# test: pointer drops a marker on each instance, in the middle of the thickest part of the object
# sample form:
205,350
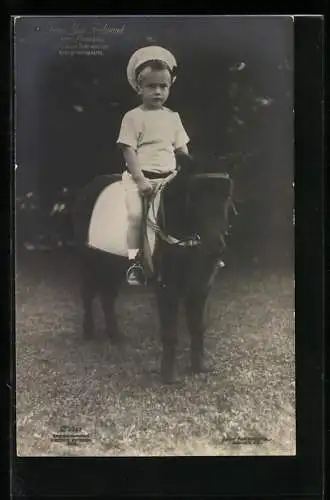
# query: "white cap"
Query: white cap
148,54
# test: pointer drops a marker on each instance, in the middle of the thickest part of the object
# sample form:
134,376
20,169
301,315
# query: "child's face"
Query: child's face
154,87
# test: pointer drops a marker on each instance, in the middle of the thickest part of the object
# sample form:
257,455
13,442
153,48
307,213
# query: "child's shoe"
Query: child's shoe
135,275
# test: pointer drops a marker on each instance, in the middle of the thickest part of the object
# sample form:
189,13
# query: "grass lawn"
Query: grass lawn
116,397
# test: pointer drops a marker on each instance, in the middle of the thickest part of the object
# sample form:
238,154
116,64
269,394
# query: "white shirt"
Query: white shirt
155,134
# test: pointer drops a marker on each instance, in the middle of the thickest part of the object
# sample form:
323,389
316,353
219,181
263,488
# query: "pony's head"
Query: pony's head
199,202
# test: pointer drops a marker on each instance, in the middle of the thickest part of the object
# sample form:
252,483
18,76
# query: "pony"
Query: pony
184,239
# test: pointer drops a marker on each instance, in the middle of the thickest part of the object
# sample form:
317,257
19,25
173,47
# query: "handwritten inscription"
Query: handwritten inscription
77,29
79,40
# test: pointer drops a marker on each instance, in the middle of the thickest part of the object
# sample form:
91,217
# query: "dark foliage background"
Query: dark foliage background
234,92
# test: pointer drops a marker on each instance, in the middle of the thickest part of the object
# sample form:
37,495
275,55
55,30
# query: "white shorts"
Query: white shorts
132,196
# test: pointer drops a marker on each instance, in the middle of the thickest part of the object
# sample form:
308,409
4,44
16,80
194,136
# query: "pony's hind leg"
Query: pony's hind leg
87,293
108,291
113,331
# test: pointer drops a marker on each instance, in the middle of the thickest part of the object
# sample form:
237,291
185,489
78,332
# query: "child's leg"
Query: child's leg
134,207
135,210
135,213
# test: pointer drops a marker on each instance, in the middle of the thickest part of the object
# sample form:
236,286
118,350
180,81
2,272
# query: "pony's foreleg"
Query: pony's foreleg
196,311
196,305
168,306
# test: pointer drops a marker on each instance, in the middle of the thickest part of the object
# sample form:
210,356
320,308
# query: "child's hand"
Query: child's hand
145,187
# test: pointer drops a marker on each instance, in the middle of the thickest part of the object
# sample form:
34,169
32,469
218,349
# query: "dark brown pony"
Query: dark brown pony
191,232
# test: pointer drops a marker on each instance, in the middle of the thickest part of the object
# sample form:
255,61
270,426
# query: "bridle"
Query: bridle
194,240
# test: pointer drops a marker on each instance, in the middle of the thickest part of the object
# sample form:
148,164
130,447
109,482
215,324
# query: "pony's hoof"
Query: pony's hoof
168,377
151,371
87,329
195,370
88,335
118,340
169,381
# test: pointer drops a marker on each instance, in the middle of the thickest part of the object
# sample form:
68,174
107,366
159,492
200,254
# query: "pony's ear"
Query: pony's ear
187,163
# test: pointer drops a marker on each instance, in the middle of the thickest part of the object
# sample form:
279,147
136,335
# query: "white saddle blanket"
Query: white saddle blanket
109,224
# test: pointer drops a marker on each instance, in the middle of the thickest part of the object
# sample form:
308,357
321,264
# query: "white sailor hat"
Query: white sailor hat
145,54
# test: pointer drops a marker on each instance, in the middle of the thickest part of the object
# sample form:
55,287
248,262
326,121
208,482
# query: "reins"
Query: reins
195,239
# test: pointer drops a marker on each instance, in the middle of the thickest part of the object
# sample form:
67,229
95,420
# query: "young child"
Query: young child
149,137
